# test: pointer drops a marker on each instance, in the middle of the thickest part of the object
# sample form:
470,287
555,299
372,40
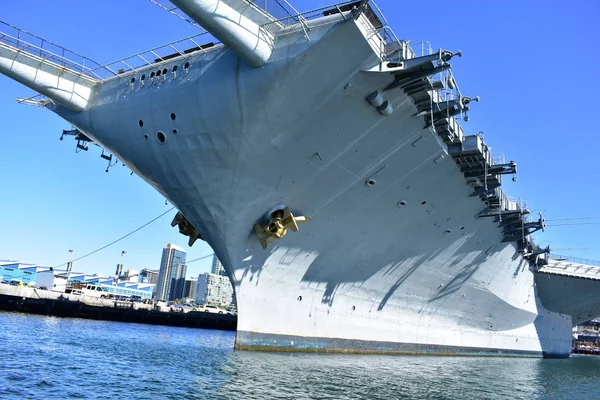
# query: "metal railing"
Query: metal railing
287,15
170,8
574,260
498,158
38,100
36,46
46,50
279,9
158,54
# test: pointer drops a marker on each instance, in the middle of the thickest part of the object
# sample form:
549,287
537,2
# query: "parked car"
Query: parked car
215,309
135,298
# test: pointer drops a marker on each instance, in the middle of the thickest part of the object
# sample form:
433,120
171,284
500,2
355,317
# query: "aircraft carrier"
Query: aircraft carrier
322,159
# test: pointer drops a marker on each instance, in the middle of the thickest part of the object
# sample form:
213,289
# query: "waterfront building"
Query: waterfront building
214,289
27,274
148,276
217,266
111,285
31,275
130,275
173,257
189,289
35,275
178,282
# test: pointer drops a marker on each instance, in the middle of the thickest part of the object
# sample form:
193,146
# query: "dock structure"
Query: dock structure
45,302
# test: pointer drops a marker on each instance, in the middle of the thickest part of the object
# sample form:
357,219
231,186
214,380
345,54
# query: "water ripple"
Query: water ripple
54,358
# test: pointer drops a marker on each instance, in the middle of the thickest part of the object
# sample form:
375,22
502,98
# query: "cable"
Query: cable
119,239
569,218
575,223
198,259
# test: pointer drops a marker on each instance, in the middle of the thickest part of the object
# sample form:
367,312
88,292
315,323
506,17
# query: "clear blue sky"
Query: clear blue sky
535,65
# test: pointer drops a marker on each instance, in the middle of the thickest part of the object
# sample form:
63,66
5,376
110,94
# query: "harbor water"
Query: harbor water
48,357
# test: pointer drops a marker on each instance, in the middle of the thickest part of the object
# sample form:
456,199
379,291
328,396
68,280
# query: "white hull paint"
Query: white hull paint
365,274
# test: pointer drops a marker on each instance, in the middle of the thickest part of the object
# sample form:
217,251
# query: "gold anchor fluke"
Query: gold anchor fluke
276,224
186,228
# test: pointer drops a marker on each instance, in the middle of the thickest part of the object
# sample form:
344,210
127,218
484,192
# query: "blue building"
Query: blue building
36,275
112,286
27,274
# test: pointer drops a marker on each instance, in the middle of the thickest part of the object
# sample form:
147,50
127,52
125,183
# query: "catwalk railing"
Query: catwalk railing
36,46
53,53
573,260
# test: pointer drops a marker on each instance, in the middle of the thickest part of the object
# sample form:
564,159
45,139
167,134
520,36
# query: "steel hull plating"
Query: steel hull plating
400,265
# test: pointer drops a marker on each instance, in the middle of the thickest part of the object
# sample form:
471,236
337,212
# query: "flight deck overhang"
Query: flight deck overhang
241,34
59,83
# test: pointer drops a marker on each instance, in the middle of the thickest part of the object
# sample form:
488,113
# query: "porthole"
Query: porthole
186,65
175,68
173,116
143,77
423,203
161,137
448,231
146,136
353,308
462,229
141,123
132,80
299,298
175,131
402,203
164,71
158,73
151,75
371,182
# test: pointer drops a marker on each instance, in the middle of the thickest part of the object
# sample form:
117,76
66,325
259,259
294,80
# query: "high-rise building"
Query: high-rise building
217,266
214,289
148,276
178,282
172,271
189,290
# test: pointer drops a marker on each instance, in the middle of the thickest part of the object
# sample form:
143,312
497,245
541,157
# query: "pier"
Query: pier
44,302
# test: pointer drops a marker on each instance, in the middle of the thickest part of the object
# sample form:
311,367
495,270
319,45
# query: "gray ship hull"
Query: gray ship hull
393,259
